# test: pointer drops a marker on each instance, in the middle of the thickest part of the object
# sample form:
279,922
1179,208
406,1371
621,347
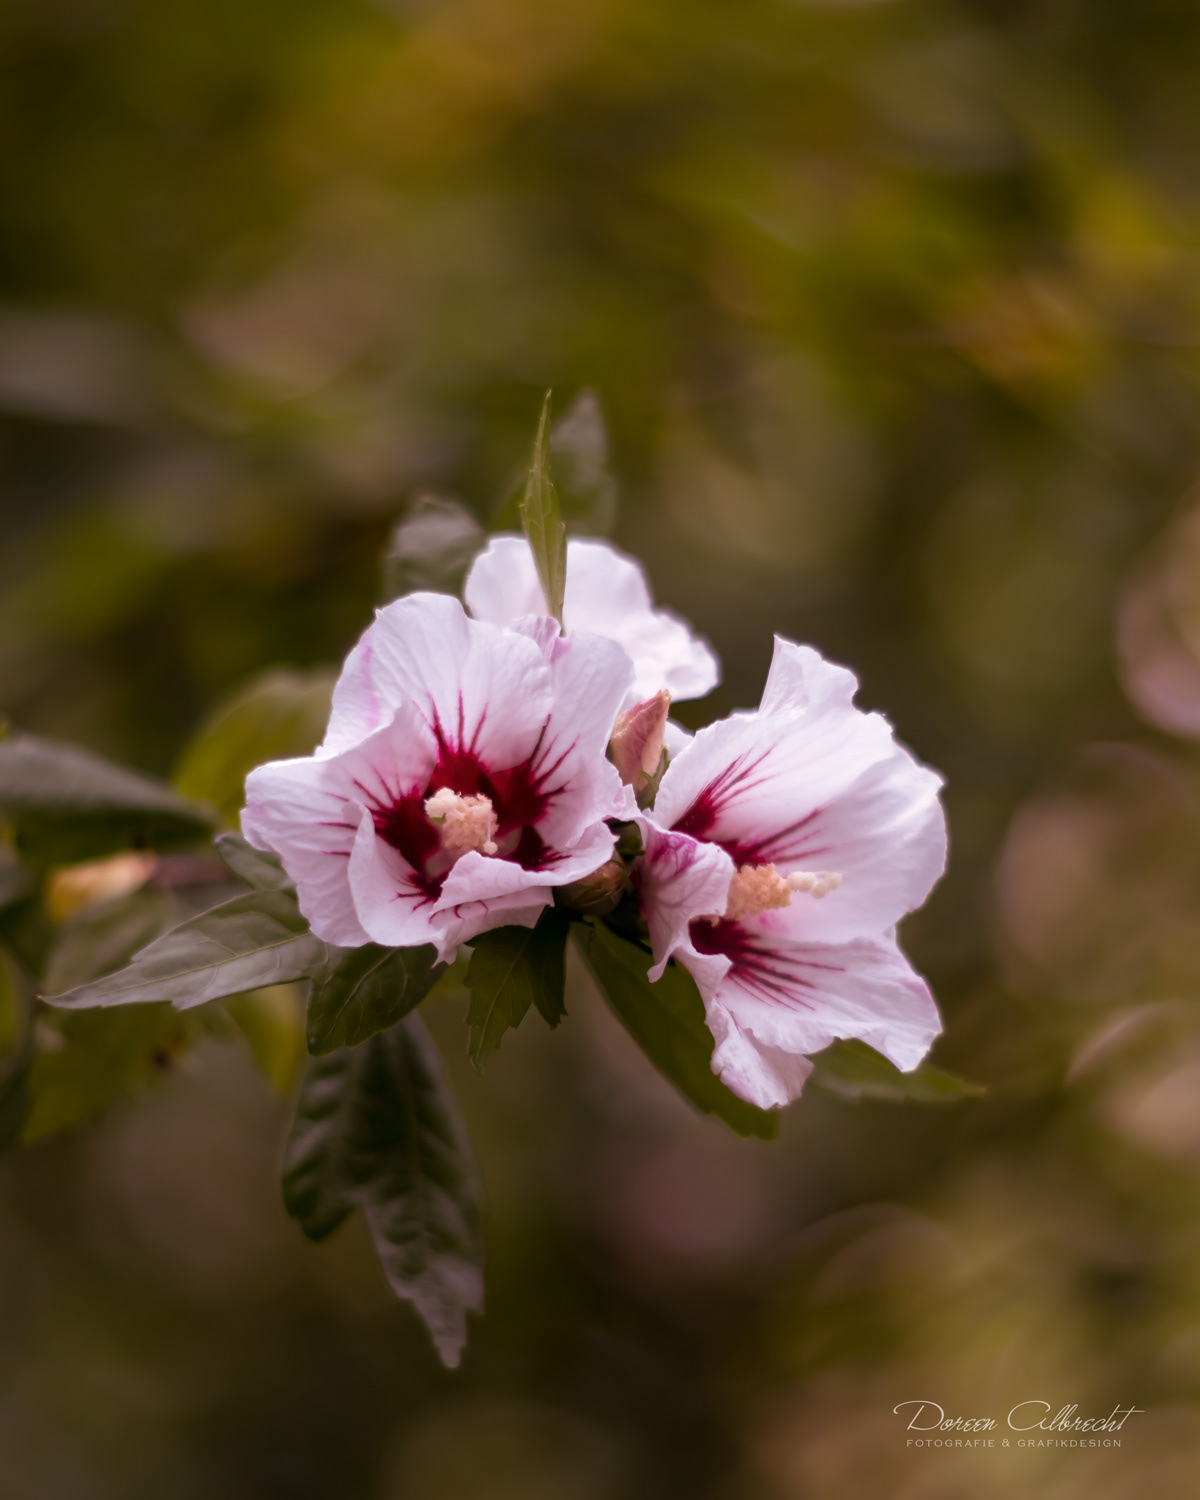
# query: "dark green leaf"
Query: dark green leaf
666,1019
579,448
430,547
276,716
377,1129
852,1070
512,968
357,992
542,520
67,805
261,870
252,941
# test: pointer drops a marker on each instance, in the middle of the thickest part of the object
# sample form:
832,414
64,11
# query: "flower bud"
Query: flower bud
598,893
636,747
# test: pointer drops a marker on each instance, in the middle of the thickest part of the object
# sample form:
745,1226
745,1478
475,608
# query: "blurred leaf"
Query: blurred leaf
666,1019
248,943
12,1010
357,992
83,1062
512,968
542,520
586,489
376,1128
91,1058
272,1021
256,867
17,880
66,805
431,547
275,717
104,936
852,1070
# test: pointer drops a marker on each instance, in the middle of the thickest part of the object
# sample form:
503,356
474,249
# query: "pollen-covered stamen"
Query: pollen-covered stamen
463,823
759,888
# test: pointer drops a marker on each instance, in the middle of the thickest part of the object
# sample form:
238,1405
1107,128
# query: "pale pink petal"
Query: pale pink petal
796,998
800,678
296,810
762,1075
886,838
680,881
606,594
590,680
471,682
751,780
316,814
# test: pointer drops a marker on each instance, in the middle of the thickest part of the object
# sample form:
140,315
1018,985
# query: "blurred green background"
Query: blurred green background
894,313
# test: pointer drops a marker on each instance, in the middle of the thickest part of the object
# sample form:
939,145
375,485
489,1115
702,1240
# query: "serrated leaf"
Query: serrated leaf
356,992
377,1129
430,547
66,805
276,716
666,1019
542,520
245,944
852,1070
587,491
511,969
256,867
272,1022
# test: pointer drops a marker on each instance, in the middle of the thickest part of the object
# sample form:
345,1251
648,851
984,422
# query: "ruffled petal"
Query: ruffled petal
295,809
681,880
606,594
471,682
793,999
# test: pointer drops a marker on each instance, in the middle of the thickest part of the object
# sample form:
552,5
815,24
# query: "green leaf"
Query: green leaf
512,968
666,1019
272,1021
66,805
90,1058
357,992
852,1070
431,547
586,488
255,940
377,1129
279,715
256,867
542,520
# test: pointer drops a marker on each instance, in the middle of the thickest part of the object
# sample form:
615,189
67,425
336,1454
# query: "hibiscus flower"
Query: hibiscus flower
462,778
606,594
783,847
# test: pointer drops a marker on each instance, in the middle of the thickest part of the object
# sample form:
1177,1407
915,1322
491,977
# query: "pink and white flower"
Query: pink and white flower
783,848
462,778
606,594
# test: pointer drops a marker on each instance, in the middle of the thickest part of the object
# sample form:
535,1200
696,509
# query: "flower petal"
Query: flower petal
681,880
607,595
476,683
783,1000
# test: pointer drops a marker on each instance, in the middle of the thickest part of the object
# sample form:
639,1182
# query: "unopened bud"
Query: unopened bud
636,747
598,893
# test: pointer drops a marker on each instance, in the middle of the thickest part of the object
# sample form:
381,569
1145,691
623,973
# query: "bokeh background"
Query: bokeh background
893,310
